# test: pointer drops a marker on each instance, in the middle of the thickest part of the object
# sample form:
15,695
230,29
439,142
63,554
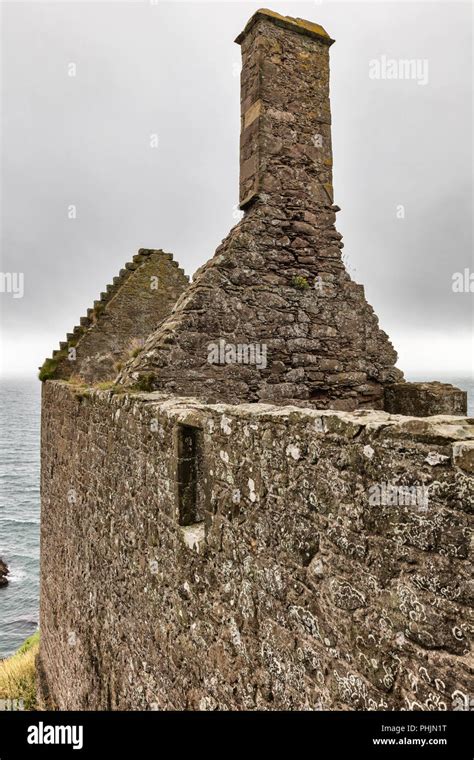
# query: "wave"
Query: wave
16,575
10,554
18,521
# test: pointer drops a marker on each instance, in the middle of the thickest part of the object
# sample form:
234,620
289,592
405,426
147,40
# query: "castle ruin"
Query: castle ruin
244,504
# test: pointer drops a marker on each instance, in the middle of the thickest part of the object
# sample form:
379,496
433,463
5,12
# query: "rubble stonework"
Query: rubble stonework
138,299
3,573
203,550
424,399
314,578
278,279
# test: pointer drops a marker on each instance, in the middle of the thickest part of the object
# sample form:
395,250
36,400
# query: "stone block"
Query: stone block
425,399
463,455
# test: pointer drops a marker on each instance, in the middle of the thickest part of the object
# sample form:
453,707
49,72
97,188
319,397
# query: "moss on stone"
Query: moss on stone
145,382
287,22
107,385
49,367
300,282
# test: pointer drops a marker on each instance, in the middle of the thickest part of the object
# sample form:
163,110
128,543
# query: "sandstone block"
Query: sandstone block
425,399
463,455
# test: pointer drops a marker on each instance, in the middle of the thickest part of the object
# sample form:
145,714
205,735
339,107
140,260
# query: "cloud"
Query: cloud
169,69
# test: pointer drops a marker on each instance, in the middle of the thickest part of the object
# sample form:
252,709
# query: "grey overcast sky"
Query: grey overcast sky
172,69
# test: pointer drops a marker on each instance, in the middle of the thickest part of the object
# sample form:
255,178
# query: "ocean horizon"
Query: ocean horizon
20,502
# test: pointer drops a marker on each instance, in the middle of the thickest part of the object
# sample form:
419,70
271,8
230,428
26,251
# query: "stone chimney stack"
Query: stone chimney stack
274,316
285,144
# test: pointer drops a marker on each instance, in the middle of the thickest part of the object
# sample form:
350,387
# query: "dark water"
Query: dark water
20,503
19,510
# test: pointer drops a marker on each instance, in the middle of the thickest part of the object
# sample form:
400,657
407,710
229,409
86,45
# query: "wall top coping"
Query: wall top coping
299,25
192,411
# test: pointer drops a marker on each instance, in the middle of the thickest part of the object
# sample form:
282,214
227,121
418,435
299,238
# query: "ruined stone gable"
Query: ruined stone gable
140,297
274,316
249,556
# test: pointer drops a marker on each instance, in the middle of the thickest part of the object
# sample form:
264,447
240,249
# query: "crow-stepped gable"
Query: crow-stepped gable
254,556
277,284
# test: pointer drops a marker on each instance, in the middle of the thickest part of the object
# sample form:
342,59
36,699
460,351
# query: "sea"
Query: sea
20,504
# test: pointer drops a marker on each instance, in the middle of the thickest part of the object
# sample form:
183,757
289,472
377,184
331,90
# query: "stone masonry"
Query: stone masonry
425,399
204,550
277,284
3,573
329,567
141,296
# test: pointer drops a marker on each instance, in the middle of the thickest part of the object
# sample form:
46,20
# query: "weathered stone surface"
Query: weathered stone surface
114,330
201,555
463,456
277,281
425,399
330,566
3,573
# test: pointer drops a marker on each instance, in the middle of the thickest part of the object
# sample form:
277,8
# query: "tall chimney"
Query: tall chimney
277,287
285,143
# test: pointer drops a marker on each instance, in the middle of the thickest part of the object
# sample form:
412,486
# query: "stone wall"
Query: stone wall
276,288
425,399
3,573
285,143
139,298
253,556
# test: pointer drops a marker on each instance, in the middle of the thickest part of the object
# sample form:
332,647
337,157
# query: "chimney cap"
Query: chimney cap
298,25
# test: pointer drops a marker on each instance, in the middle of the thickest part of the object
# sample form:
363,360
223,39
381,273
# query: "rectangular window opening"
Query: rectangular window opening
188,472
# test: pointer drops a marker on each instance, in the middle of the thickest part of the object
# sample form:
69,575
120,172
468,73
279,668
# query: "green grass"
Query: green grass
106,385
31,642
145,382
18,674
